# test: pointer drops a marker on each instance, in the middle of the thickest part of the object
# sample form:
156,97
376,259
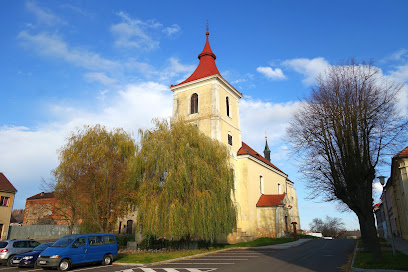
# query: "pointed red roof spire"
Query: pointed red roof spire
206,67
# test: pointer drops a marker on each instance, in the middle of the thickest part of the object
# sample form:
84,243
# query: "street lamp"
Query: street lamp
382,181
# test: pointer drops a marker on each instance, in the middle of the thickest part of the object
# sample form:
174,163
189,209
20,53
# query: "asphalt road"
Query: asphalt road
316,255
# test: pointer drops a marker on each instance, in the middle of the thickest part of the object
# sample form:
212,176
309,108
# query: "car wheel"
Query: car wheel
9,260
36,265
107,259
64,265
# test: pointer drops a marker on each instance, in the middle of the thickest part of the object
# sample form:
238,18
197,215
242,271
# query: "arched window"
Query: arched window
227,104
278,188
261,184
229,138
194,103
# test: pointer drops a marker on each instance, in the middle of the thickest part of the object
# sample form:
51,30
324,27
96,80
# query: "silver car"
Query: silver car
9,248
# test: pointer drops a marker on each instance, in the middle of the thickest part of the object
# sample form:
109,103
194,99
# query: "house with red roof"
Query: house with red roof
265,198
44,209
395,195
7,193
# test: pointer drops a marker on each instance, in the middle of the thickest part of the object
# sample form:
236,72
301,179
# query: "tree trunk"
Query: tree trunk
369,236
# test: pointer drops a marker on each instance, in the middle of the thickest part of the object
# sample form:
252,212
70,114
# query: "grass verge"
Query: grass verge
144,257
365,260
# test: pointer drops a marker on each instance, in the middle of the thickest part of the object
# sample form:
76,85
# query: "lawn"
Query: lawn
144,257
364,259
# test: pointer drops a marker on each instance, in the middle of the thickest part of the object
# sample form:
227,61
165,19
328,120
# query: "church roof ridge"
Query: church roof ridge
247,150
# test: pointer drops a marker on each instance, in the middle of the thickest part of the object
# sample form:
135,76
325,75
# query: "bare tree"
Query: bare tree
330,227
341,132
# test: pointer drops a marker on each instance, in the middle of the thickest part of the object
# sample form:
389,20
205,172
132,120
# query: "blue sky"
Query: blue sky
65,64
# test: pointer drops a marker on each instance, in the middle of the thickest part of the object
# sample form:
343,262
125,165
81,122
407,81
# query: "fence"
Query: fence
39,232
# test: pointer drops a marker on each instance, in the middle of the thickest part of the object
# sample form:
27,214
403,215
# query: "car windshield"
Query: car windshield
64,241
3,244
41,247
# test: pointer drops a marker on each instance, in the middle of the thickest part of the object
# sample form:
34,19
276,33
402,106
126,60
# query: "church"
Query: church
265,198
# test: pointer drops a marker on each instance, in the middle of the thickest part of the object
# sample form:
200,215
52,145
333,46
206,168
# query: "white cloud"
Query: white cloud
400,55
53,46
175,68
171,30
310,68
100,77
260,119
271,73
43,15
133,33
377,188
400,74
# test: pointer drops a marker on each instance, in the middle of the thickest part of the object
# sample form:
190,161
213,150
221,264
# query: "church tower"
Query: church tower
208,101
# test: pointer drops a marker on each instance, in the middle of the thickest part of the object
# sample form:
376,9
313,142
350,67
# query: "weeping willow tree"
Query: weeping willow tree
184,182
92,177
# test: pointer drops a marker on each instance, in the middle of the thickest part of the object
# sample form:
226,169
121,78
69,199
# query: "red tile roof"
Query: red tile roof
5,184
246,150
270,200
402,154
377,205
206,67
42,195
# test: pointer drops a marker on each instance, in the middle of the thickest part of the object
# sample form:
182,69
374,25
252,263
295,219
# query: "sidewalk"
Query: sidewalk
400,245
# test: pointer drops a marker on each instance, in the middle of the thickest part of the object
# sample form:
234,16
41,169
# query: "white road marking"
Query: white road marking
212,259
233,256
172,269
14,267
203,263
88,268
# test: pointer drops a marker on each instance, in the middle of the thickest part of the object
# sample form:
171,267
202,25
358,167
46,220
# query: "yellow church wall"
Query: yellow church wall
248,193
294,211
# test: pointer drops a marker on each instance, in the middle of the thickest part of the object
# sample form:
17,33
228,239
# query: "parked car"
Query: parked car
10,248
29,259
78,249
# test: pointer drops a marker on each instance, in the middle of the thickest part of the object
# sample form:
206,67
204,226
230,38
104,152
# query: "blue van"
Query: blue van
79,248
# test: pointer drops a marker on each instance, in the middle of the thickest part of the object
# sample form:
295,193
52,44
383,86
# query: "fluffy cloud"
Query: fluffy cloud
377,188
310,68
400,74
171,30
43,15
100,77
53,46
135,33
274,74
260,119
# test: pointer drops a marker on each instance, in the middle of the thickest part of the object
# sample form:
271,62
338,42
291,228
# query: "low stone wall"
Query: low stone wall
39,232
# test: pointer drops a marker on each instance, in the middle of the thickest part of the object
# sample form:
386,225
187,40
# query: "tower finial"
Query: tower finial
207,28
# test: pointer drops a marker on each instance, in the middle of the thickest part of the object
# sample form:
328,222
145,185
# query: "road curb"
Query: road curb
211,252
352,268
